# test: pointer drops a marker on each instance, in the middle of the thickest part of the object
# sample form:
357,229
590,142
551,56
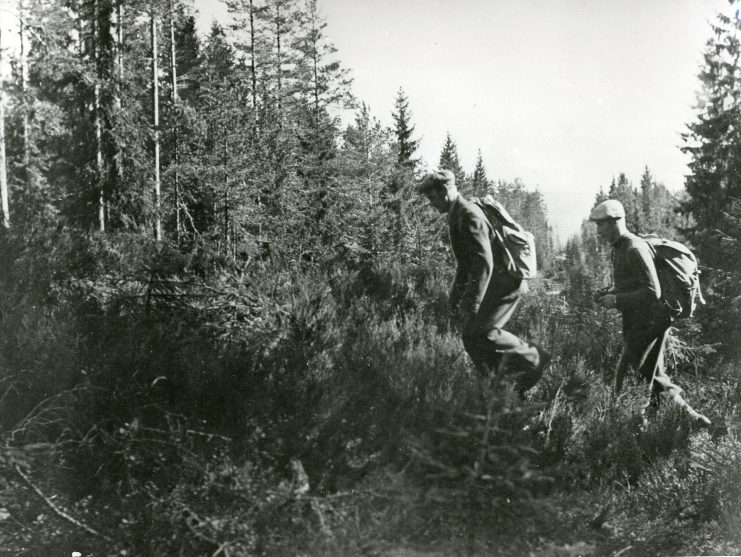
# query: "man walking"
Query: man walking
637,295
484,294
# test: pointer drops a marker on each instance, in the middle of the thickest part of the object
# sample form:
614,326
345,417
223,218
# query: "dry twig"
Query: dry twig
59,512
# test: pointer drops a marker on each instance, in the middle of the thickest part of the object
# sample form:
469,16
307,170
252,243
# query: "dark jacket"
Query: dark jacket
637,288
476,256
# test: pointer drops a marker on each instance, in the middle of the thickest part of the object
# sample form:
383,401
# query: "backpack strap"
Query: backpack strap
501,213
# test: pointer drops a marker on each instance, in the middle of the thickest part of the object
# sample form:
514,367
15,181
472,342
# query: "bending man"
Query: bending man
484,295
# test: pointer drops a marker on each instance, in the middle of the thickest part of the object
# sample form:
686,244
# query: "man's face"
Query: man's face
438,199
607,230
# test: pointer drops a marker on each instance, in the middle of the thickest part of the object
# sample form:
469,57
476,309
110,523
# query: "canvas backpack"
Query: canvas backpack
518,244
679,276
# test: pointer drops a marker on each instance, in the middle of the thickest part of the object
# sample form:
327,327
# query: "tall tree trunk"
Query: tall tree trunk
97,118
77,6
315,61
24,96
156,125
119,84
227,200
4,202
174,87
279,64
253,69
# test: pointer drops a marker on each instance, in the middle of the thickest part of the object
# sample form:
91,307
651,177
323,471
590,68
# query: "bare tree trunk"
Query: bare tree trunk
315,56
176,154
79,28
99,161
278,31
227,201
253,69
4,201
227,224
156,123
315,60
119,85
96,116
24,96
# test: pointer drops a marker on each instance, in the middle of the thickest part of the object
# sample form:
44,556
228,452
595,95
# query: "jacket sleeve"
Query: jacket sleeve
646,282
478,261
456,290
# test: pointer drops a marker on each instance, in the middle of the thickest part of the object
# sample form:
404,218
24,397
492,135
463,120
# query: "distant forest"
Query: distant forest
223,324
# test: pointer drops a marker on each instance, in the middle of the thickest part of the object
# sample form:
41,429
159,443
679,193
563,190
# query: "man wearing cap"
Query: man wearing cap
637,295
484,295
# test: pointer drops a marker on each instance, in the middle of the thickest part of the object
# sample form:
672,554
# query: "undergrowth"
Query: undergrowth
174,405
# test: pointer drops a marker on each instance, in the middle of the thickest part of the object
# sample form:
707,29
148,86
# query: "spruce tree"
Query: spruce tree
713,141
404,130
367,163
449,160
623,191
647,185
479,181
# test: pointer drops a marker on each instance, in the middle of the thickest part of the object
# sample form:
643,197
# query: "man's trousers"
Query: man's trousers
485,339
644,354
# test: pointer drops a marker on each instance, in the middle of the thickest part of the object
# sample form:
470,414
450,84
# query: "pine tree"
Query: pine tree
319,76
249,18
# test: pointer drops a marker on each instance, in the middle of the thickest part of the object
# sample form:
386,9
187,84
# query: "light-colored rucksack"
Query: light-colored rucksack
518,244
679,276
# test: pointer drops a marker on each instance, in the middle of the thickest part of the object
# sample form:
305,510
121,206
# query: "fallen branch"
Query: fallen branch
59,512
188,517
623,551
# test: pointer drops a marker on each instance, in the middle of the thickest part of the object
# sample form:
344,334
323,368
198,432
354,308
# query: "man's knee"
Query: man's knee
495,335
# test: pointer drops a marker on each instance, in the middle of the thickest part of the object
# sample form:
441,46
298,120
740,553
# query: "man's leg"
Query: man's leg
487,342
649,363
622,369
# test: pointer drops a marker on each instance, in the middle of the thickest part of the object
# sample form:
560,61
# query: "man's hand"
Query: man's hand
608,301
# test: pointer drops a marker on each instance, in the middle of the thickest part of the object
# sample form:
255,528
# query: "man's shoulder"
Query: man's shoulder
630,241
468,208
633,246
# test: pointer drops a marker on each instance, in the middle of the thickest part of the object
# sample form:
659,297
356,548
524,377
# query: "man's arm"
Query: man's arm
456,291
647,290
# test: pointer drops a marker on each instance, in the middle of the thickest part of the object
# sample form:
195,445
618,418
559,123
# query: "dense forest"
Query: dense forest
224,326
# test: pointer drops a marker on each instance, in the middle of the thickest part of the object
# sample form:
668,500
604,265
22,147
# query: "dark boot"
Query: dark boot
528,379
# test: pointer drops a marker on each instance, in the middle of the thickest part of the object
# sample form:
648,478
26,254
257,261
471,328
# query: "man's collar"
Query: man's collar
624,235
